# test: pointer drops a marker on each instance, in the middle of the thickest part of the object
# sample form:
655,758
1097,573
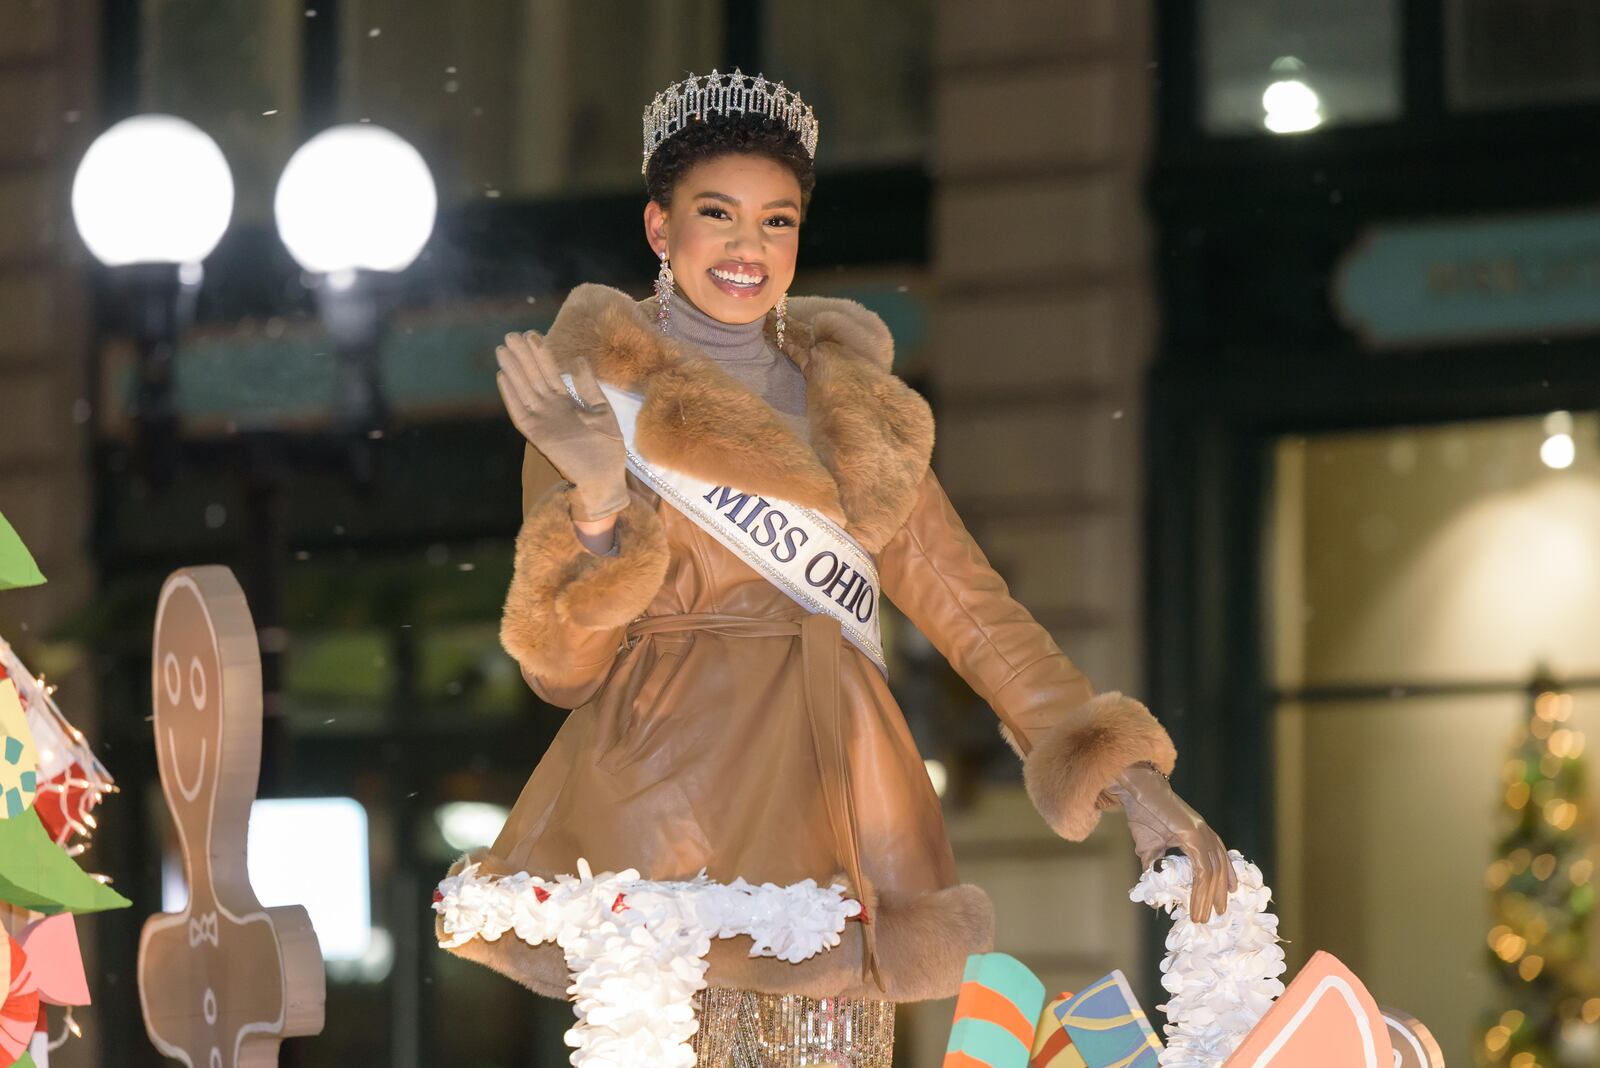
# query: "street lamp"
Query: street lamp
151,199
355,206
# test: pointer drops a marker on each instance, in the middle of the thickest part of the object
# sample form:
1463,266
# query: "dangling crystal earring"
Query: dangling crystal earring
663,292
783,313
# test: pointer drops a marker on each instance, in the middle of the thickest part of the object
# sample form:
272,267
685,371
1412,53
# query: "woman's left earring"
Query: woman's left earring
663,292
783,315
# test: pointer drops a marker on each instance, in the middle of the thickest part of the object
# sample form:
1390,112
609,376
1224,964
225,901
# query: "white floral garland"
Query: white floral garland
636,948
1223,975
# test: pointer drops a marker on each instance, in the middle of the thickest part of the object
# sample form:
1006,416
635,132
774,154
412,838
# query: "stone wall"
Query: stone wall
1042,327
47,65
46,97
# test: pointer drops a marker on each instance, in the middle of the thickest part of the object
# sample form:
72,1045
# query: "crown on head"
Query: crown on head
725,94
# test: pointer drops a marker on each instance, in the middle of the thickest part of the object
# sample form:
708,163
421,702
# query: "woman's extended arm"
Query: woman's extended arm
1082,752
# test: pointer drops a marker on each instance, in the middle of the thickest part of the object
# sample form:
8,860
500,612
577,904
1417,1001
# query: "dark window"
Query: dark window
1291,66
1503,53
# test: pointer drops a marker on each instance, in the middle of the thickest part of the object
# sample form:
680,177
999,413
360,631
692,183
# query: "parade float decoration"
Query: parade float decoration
49,780
223,982
996,1012
636,948
71,781
1221,976
1227,1006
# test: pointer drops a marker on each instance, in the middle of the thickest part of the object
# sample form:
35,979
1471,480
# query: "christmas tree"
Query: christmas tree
1542,890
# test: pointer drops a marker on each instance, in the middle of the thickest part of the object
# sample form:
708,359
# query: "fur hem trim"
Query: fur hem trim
923,942
557,583
1074,763
871,434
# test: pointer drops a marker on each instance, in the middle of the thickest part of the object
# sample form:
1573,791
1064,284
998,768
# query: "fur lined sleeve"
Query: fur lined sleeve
567,607
1073,742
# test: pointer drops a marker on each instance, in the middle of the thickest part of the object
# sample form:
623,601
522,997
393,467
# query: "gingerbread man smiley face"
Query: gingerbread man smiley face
188,697
223,982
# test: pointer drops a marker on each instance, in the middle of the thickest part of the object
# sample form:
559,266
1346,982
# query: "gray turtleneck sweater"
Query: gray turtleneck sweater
741,350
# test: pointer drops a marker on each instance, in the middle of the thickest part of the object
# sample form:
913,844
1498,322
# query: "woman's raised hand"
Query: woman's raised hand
576,431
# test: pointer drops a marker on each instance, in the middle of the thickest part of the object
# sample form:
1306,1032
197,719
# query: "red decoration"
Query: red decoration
20,1012
71,778
63,802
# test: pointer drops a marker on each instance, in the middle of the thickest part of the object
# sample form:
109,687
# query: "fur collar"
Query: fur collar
871,434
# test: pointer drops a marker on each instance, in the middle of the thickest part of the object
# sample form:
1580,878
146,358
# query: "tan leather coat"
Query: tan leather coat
717,726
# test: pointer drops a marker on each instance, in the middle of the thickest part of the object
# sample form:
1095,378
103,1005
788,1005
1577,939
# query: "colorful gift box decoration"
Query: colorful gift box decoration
1108,1027
1227,1006
1325,1019
996,1014
1052,1045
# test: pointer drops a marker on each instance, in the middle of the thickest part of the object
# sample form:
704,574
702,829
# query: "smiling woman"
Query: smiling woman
732,253
718,484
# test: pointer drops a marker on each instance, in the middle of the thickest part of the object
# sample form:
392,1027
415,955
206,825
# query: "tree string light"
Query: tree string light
1542,891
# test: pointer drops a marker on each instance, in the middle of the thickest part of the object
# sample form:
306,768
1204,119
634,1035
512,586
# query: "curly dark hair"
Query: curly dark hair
726,135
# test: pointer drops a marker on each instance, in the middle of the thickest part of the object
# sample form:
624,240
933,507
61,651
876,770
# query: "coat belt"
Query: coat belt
821,642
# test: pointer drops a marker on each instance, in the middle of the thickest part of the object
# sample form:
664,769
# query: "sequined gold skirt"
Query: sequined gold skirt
744,1029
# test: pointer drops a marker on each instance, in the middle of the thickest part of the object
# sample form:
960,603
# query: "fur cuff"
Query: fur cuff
558,584
1073,765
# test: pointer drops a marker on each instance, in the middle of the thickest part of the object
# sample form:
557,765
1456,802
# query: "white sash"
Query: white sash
805,555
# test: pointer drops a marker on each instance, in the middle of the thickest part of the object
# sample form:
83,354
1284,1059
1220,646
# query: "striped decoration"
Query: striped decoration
1000,1001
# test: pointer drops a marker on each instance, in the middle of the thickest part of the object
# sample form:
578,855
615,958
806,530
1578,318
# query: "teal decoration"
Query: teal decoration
988,1043
997,1011
1472,280
429,366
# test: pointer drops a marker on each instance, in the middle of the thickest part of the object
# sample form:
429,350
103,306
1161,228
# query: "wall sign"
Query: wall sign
1472,280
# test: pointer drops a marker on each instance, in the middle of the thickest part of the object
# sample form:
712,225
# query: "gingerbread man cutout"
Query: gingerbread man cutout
223,982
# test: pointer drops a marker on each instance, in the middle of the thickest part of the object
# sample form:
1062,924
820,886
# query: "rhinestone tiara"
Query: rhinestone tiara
738,93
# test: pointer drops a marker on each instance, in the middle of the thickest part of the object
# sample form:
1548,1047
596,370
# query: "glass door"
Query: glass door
1434,607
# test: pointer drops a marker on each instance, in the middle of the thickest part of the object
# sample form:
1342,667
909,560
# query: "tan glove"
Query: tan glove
1160,820
579,437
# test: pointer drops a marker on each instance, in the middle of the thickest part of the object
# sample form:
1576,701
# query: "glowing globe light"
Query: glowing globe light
152,189
1558,451
355,197
1292,106
1559,448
